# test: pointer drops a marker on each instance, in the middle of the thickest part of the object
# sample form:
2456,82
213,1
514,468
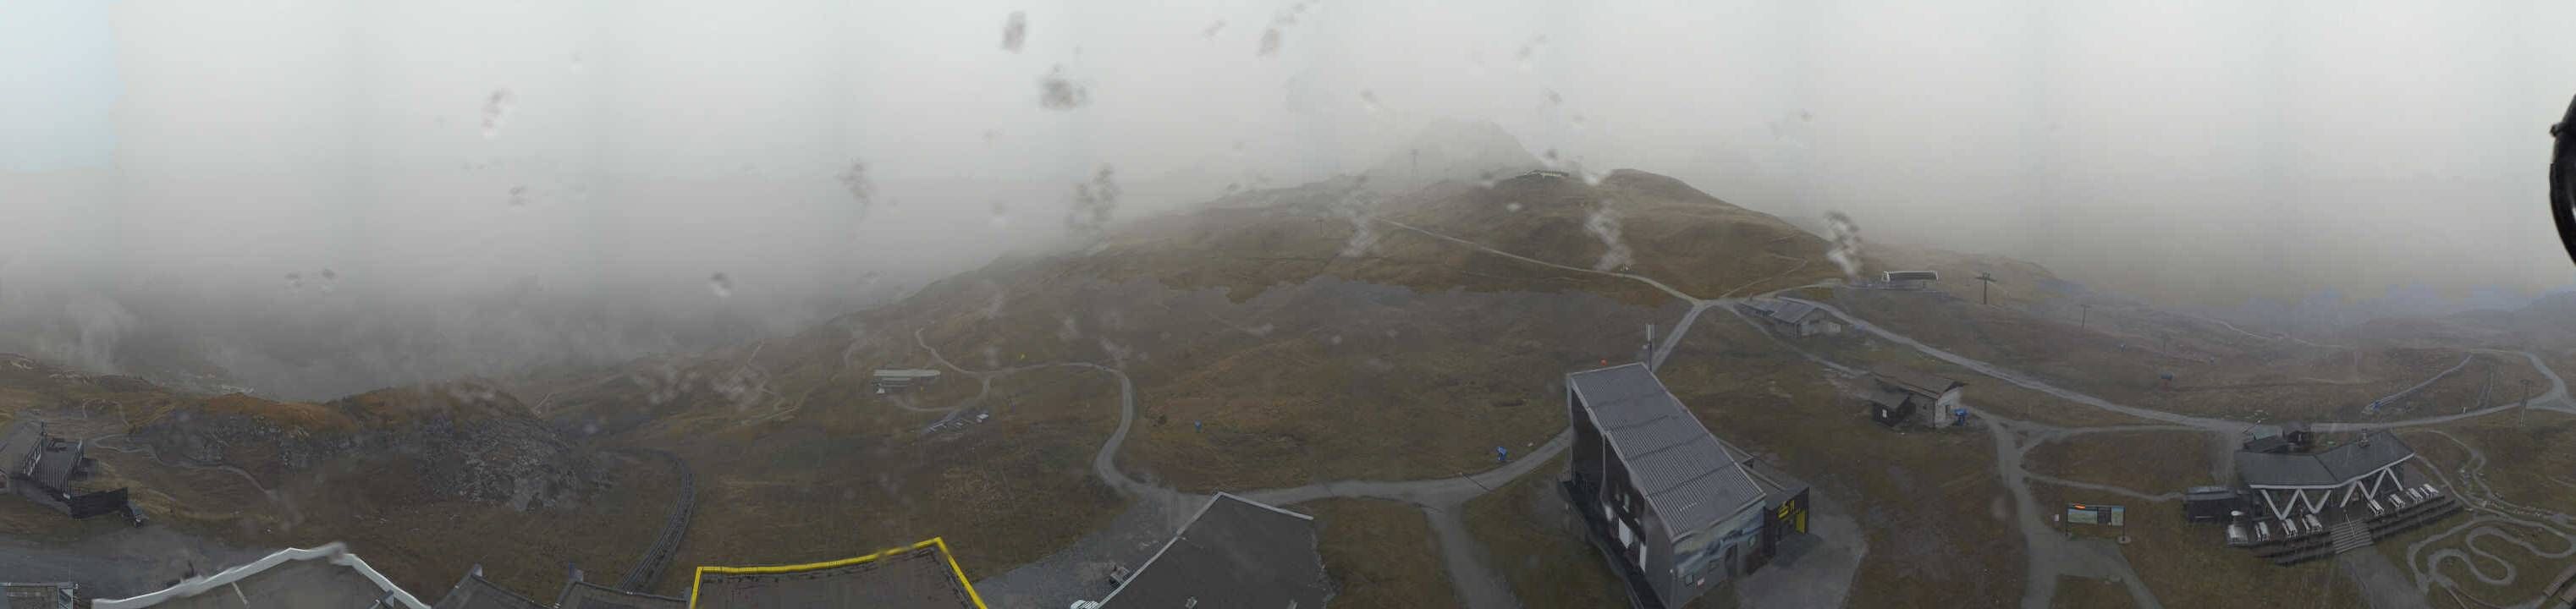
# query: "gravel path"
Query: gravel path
2498,523
2048,556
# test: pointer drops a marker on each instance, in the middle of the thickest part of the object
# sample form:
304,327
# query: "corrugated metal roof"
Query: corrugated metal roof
2331,468
1684,471
293,578
918,577
1793,311
474,592
1236,553
1925,383
55,468
18,445
586,595
2358,459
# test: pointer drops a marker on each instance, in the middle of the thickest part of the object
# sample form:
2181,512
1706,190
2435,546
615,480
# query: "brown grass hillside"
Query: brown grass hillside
1306,357
1408,358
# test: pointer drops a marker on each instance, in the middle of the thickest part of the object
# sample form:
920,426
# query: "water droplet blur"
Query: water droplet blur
854,180
1001,215
1055,92
1530,50
1212,29
1578,121
576,61
328,280
1805,116
721,285
1278,24
1094,203
294,282
992,134
518,197
496,112
1512,207
1554,99
1368,101
1015,30
1550,155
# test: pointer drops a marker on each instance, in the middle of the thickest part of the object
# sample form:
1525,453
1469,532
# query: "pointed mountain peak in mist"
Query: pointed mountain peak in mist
1454,149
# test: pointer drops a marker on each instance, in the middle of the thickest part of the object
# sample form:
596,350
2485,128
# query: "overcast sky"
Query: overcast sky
2215,150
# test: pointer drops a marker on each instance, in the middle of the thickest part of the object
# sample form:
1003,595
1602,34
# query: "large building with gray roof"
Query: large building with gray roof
328,577
920,576
474,592
2289,485
578,594
43,468
1676,511
1235,552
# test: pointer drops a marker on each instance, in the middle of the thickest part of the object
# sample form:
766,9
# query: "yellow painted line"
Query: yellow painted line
702,571
961,573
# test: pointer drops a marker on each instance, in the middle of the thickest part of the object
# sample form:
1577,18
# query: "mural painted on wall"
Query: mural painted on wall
1717,552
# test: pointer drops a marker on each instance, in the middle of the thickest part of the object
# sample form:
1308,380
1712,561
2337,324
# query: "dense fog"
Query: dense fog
313,198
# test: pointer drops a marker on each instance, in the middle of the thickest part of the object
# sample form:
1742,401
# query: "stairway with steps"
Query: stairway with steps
2351,535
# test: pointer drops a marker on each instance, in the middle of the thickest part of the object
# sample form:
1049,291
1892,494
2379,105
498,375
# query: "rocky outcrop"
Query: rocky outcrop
453,441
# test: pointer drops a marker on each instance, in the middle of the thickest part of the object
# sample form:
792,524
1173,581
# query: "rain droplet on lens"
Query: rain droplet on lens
721,285
854,180
1550,155
1015,30
1056,92
1269,42
518,196
496,112
1212,28
1368,100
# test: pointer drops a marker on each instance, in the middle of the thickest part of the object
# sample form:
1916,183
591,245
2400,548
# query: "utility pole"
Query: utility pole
1985,292
1646,353
2084,315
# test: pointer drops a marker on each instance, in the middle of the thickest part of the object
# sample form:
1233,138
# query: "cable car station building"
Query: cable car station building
1676,511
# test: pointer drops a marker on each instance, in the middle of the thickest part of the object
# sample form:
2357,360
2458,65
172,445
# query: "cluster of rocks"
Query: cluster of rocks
463,443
